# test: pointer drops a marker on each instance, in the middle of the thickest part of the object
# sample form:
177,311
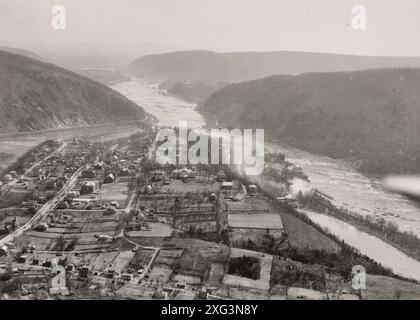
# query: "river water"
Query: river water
335,178
354,191
168,109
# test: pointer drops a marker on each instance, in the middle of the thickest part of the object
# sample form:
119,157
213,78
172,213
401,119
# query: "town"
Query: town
104,220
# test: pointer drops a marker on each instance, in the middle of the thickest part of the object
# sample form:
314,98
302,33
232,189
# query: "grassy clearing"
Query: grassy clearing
386,288
303,236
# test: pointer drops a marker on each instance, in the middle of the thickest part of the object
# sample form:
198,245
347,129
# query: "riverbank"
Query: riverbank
387,232
356,243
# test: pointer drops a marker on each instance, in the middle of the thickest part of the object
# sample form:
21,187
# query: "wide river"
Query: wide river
335,178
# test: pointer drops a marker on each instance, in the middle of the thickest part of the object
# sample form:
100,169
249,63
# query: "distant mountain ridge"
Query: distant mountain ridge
35,95
22,52
371,117
243,66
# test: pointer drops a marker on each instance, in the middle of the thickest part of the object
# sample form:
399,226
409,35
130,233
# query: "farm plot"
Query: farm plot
122,260
136,291
187,280
238,207
168,258
255,221
303,236
216,274
199,255
156,230
104,260
141,259
159,274
290,273
178,186
116,191
386,288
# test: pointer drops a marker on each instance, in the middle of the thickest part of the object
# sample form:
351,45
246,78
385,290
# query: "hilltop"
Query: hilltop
36,95
370,117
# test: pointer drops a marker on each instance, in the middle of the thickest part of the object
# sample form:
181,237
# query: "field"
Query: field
286,272
121,261
249,205
116,191
164,265
8,214
104,260
159,274
141,259
157,230
216,274
199,255
177,186
303,236
136,291
77,233
255,221
386,288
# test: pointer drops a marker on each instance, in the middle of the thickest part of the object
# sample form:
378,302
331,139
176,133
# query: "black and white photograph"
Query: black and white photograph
209,151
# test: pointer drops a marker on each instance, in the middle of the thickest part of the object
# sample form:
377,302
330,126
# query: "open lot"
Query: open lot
116,191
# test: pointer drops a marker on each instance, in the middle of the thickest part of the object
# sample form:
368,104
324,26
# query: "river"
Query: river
168,109
354,191
335,178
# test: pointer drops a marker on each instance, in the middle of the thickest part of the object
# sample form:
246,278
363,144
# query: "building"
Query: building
226,187
124,172
157,175
252,190
186,173
89,174
89,187
109,178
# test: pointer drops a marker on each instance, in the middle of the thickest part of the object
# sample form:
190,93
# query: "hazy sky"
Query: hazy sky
393,26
